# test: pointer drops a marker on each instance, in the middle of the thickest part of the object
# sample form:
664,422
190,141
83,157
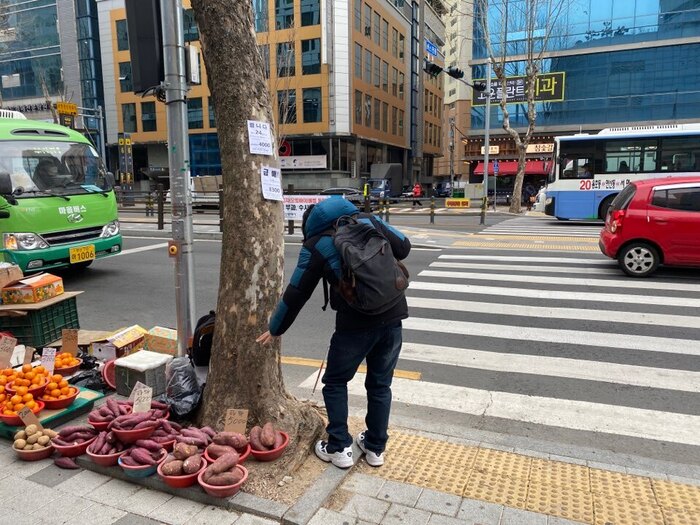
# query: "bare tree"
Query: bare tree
536,19
243,374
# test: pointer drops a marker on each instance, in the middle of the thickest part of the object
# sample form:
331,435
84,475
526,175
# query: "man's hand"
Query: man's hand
266,338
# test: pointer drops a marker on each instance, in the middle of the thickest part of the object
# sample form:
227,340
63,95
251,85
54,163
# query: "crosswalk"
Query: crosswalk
561,342
544,226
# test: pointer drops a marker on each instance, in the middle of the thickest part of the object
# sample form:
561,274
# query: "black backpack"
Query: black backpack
373,280
200,353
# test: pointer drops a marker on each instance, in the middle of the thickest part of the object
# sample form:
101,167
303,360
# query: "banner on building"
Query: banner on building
549,87
303,162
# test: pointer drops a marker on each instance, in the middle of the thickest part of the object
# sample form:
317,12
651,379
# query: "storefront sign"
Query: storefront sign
540,148
457,203
303,162
493,150
549,87
295,205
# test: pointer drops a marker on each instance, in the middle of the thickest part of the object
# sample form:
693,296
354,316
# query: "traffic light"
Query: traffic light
433,70
454,72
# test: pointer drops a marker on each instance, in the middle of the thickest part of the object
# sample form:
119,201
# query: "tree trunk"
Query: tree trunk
515,206
242,373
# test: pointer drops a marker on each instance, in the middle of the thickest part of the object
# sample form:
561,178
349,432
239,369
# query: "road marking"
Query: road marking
143,248
635,284
536,237
528,269
562,413
316,363
668,379
552,294
546,312
612,341
525,246
514,258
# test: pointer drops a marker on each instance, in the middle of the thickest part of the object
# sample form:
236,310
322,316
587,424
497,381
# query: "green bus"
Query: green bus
57,203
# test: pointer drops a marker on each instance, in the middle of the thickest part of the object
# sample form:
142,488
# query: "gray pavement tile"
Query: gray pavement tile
363,484
63,508
554,520
439,502
144,502
213,516
687,481
438,519
512,516
567,459
51,475
97,514
365,508
645,473
475,512
24,469
134,519
83,482
329,517
401,493
403,515
531,453
249,519
176,511
39,493
12,486
22,518
606,466
113,492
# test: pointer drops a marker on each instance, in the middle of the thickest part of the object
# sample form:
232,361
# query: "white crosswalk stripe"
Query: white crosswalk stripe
639,343
546,226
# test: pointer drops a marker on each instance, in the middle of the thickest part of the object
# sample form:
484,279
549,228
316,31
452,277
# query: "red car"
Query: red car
652,222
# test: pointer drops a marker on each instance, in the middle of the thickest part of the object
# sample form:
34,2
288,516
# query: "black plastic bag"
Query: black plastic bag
91,379
183,391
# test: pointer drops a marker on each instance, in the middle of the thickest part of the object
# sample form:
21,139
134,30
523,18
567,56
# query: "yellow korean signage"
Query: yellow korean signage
549,87
67,108
457,203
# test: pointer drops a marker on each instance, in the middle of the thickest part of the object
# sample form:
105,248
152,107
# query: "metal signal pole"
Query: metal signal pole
487,126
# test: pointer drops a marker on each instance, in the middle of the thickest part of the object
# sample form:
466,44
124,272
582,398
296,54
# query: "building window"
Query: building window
358,15
284,14
385,76
190,26
310,12
265,55
358,61
212,113
394,81
129,118
385,117
285,59
368,111
377,113
122,36
368,66
260,8
358,107
402,43
195,115
287,106
401,83
377,71
376,27
425,99
385,35
452,92
368,21
394,43
125,84
148,116
312,104
400,123
394,119
311,56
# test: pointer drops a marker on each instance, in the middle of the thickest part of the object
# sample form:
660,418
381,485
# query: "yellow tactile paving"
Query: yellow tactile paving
492,487
504,464
563,502
670,494
560,474
526,246
402,452
679,517
445,468
622,486
613,511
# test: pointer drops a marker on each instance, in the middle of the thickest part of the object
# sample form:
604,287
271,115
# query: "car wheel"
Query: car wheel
604,206
638,259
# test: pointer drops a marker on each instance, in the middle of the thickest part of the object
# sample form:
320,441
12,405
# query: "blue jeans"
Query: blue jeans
381,347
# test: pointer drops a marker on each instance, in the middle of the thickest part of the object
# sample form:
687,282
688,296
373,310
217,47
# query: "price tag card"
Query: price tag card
271,181
69,338
28,355
142,399
138,386
7,347
259,138
236,420
29,418
48,359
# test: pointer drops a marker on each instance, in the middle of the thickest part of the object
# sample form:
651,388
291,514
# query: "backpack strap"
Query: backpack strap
325,294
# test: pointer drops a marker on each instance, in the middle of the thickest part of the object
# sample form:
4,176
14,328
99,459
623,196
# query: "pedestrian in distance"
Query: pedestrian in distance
375,337
417,192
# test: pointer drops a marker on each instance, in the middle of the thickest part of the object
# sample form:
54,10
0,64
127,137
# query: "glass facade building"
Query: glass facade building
625,62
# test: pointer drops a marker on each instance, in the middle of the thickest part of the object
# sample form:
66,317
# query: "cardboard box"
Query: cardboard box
120,344
32,289
9,273
161,340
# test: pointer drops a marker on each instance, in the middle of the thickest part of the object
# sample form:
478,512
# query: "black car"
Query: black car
351,194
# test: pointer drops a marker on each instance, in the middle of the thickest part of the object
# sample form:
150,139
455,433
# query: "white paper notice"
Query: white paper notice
259,138
271,179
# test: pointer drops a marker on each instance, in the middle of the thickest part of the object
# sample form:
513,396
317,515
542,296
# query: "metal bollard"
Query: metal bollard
290,226
149,205
221,207
432,210
368,209
160,195
386,210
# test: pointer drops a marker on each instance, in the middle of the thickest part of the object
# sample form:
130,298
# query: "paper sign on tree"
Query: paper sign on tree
236,420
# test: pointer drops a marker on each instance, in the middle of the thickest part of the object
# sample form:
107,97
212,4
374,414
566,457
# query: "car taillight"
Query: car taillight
615,220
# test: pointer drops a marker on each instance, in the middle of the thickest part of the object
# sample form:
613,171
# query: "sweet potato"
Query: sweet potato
183,451
191,441
192,464
209,431
67,431
129,461
267,435
173,467
167,426
149,445
226,478
160,405
216,451
279,440
146,424
113,406
98,443
63,462
142,456
195,433
224,463
106,448
79,437
231,439
255,442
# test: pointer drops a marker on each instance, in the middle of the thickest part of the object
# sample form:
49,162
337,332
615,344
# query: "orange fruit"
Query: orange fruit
3,398
15,399
72,391
40,369
65,390
26,368
38,381
30,375
8,372
8,412
19,407
63,396
21,390
31,405
52,386
3,380
56,378
55,392
27,397
62,383
2,389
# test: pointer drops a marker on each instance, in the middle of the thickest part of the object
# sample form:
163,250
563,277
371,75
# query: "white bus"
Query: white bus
590,170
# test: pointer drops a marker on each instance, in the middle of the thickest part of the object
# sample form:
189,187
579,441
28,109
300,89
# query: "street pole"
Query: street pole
103,137
178,161
487,126
452,155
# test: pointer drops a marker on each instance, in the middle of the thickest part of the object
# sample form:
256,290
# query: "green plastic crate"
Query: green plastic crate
44,326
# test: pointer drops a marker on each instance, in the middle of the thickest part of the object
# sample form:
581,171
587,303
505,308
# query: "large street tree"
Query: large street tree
242,373
534,21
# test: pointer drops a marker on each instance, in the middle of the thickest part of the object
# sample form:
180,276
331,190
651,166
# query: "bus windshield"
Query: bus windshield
52,168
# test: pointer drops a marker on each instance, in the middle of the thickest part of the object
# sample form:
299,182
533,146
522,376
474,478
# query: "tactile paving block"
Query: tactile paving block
560,501
680,517
505,464
488,486
402,453
444,466
622,486
559,474
670,494
612,511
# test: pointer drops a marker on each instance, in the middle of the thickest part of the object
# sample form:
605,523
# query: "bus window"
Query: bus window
576,168
680,154
625,156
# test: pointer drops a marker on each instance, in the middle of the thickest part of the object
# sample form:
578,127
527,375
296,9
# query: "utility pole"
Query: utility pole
178,160
452,155
487,126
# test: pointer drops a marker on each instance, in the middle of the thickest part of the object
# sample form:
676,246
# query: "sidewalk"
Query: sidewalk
425,481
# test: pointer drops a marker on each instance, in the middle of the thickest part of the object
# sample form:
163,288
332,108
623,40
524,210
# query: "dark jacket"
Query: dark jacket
318,258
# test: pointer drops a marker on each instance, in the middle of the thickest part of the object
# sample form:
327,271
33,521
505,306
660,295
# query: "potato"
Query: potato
20,444
33,438
37,446
31,429
21,435
43,440
51,433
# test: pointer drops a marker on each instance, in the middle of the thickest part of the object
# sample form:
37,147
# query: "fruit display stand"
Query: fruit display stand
53,418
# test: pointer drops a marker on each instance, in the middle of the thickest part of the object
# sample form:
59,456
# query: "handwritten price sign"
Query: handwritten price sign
70,341
236,420
7,347
48,359
259,138
271,181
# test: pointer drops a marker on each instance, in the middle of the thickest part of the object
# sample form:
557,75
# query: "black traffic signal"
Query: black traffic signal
454,72
433,70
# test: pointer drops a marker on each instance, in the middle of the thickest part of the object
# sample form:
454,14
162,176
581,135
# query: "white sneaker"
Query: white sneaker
373,459
341,459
